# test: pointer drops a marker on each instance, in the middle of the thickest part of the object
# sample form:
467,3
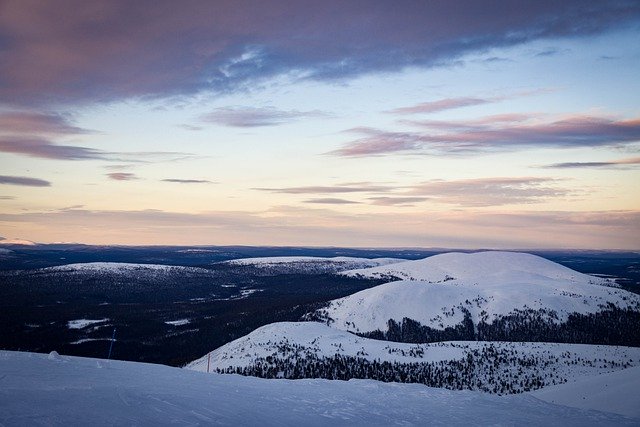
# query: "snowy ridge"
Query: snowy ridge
82,391
118,267
310,264
286,344
480,267
322,341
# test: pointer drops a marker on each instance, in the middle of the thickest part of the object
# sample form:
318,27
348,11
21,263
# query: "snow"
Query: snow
438,305
17,242
320,340
60,390
311,259
83,323
488,265
118,267
613,392
84,340
487,284
309,264
179,322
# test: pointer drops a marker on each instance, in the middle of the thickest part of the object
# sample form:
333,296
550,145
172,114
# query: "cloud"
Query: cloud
442,105
491,191
7,198
608,164
45,149
76,51
256,117
36,123
22,180
331,201
187,181
122,176
458,137
359,187
396,201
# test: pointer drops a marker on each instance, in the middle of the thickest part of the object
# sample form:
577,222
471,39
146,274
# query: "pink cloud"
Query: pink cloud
443,137
77,51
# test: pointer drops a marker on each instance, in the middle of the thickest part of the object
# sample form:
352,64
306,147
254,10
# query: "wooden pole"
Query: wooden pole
208,362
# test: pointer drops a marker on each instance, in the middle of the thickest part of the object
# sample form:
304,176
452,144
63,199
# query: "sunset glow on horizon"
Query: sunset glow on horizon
360,124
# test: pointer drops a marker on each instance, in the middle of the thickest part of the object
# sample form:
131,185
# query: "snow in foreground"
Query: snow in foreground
56,390
613,392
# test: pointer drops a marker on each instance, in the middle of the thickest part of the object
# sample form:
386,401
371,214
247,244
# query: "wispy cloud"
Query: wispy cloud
52,58
37,123
607,164
46,149
475,136
442,105
396,201
333,189
122,176
256,117
187,181
23,180
491,191
331,201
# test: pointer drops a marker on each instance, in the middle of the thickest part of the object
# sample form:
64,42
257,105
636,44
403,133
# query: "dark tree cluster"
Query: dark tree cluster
611,326
491,369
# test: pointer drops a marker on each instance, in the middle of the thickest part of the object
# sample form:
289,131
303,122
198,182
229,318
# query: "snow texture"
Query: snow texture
39,389
612,392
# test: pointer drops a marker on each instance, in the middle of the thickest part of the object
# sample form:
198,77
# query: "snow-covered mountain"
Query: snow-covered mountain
314,350
480,267
59,390
486,295
311,265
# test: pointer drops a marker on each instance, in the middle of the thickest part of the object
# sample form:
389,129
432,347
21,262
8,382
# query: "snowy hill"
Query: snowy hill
479,267
58,390
311,265
313,350
487,296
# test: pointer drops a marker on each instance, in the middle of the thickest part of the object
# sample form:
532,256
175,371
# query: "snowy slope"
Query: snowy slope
296,342
309,264
613,392
488,285
479,267
440,305
54,390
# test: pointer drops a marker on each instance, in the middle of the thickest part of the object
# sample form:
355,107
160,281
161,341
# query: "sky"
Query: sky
458,124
